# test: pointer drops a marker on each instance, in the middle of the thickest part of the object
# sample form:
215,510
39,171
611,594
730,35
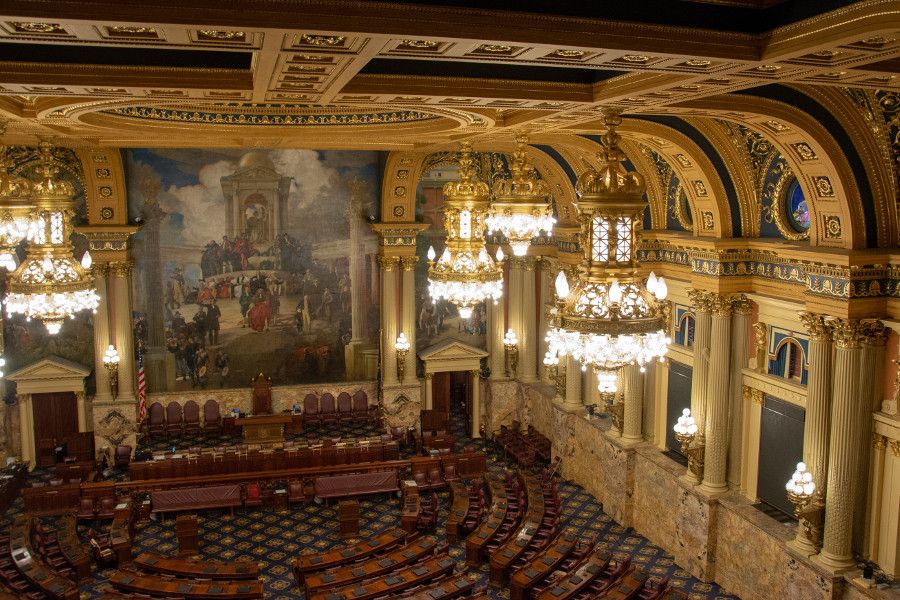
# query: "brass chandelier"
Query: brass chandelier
465,274
609,317
50,285
18,222
520,210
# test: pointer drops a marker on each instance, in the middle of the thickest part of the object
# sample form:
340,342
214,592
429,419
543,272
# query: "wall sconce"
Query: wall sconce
685,433
111,362
551,364
402,347
2,364
511,345
809,507
608,385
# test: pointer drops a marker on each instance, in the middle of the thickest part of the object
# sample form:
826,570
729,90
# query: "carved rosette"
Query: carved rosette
817,327
847,333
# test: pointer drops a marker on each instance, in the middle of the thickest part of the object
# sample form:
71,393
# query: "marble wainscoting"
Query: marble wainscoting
503,402
402,405
114,424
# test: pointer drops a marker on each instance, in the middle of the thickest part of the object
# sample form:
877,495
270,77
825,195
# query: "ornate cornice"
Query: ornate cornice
398,234
271,115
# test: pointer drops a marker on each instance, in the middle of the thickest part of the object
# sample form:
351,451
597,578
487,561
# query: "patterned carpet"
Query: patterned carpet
273,539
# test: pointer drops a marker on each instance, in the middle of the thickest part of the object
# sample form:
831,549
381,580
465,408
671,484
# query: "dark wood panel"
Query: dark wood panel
55,415
440,390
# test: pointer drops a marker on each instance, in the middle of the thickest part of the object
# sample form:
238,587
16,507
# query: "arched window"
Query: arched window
788,361
684,332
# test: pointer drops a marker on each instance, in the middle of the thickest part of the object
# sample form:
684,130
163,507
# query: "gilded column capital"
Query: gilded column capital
753,395
895,447
408,263
818,328
121,268
720,305
701,300
873,333
879,442
530,263
847,333
519,262
429,376
100,269
387,263
742,305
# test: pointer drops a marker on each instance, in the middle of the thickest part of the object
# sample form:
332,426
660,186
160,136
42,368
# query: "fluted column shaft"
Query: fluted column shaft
837,551
514,304
871,384
543,277
389,266
573,383
101,334
700,370
496,330
120,286
476,404
740,329
528,339
717,398
634,401
408,311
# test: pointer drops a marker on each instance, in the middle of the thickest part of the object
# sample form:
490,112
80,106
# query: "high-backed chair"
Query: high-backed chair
253,495
361,412
123,456
345,407
311,409
174,418
328,413
295,492
86,509
212,418
107,508
157,422
191,418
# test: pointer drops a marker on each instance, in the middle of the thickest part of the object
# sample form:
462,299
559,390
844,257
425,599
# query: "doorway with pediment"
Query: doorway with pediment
453,383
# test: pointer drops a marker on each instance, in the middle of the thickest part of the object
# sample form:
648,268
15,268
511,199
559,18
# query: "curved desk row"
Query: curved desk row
155,585
203,569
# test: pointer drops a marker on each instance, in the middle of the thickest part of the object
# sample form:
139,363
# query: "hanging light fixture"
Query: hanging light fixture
50,285
608,317
17,218
520,210
465,274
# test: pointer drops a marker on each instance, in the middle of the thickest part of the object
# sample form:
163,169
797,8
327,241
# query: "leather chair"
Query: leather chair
157,423
434,478
123,456
450,473
328,412
311,409
295,493
107,508
86,509
361,412
345,407
191,418
212,418
253,495
174,419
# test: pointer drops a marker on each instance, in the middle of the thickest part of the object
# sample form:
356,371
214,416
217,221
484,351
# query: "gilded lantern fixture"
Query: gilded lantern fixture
465,274
50,285
18,221
609,317
520,210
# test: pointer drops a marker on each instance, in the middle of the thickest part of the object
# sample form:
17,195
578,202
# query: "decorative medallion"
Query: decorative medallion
636,59
399,191
106,213
403,174
330,41
37,27
215,35
697,63
103,173
566,53
707,219
832,226
105,191
768,68
399,210
683,160
804,151
418,45
776,126
115,428
699,188
495,49
99,158
131,31
823,186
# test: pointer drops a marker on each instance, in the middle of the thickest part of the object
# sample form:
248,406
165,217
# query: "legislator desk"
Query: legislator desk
459,508
121,532
36,571
263,429
200,569
483,534
519,542
356,484
72,549
391,585
196,498
542,565
629,587
155,585
321,561
455,587
373,567
574,583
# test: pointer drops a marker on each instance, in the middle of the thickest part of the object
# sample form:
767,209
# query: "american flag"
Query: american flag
141,389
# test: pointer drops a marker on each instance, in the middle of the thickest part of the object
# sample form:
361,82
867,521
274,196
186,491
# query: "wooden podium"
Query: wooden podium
187,530
263,429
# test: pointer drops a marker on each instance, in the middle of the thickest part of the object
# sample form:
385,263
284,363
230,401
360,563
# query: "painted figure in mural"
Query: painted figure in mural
245,301
327,301
199,326
258,314
176,291
257,217
222,367
213,315
307,314
211,260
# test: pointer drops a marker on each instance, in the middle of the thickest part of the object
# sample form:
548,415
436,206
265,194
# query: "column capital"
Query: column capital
818,328
121,268
847,333
720,305
753,395
742,305
895,447
387,263
398,234
701,300
429,376
519,262
100,269
873,333
408,263
530,262
879,442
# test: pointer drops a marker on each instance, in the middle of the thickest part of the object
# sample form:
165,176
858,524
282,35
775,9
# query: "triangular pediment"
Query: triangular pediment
50,368
452,349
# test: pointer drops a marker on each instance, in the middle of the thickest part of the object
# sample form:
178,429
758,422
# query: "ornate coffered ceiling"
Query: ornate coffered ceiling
411,74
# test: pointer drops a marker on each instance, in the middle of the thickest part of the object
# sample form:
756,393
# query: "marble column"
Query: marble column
700,300
837,550
528,337
389,332
496,331
408,311
818,411
476,404
717,398
26,430
874,338
634,401
101,334
543,277
573,384
514,303
429,391
740,352
120,289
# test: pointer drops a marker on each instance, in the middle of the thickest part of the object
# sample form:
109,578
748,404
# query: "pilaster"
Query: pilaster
874,337
476,404
528,337
514,305
408,309
496,331
573,385
120,301
101,333
389,266
740,329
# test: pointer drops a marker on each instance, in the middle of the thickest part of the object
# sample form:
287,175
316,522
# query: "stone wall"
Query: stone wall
503,402
402,405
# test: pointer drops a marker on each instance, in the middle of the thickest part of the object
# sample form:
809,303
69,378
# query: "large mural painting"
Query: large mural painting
256,262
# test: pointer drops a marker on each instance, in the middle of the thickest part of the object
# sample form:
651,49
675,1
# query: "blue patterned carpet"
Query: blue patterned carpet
274,538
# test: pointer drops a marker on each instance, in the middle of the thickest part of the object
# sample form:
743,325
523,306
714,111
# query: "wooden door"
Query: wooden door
55,417
440,392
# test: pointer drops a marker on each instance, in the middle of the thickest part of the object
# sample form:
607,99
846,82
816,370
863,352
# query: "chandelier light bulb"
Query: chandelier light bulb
445,256
510,339
86,260
662,290
402,342
562,286
465,312
615,292
500,255
431,253
47,264
652,282
550,360
607,382
53,327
